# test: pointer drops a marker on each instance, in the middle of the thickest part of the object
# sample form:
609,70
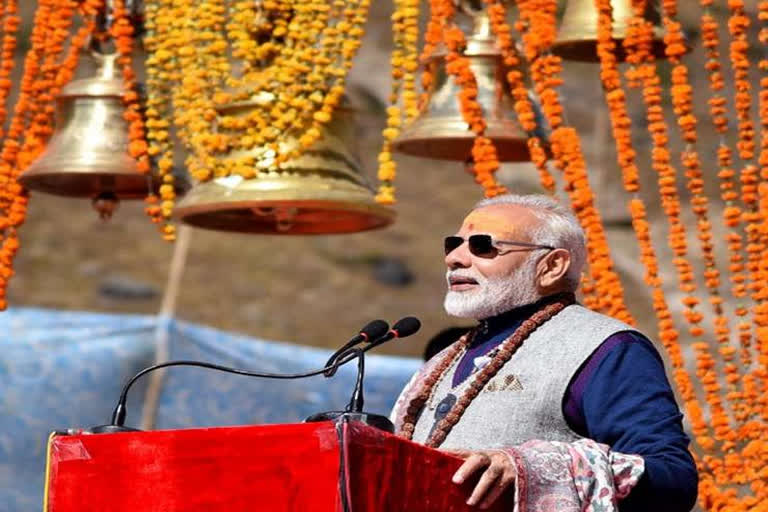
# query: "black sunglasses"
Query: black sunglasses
485,246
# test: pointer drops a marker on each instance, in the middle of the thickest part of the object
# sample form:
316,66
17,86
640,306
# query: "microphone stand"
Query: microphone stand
354,410
356,401
404,327
118,415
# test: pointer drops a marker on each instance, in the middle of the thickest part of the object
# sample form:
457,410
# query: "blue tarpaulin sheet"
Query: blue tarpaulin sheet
66,369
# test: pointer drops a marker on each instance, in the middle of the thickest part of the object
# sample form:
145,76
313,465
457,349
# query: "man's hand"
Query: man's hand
498,474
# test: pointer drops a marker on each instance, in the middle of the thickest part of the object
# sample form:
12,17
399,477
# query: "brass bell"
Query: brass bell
577,36
87,156
320,192
441,132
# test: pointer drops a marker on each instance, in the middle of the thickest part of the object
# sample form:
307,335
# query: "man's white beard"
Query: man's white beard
491,297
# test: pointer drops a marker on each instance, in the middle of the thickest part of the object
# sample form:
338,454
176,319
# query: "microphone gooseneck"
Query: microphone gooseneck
356,400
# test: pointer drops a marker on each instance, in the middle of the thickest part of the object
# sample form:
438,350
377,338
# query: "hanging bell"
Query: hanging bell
441,132
87,156
319,192
577,36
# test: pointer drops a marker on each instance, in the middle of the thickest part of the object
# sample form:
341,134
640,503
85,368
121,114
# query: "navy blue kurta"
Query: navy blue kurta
620,397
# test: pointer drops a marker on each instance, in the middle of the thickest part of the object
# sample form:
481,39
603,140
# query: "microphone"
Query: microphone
401,329
372,331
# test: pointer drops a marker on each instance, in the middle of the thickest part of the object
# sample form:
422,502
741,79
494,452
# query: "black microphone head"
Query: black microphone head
374,330
406,326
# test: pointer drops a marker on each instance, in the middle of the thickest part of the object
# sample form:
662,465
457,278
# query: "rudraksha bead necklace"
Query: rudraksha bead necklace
506,350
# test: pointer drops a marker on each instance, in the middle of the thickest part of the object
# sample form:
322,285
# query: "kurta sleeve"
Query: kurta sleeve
628,404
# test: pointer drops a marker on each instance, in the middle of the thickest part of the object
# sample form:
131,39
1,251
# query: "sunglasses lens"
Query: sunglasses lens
481,245
451,243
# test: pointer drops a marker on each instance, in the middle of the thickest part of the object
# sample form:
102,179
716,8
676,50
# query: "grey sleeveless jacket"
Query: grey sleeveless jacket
523,401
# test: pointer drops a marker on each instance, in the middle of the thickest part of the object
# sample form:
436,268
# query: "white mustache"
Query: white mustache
467,274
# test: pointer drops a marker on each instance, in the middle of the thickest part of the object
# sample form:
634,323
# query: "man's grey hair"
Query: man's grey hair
558,228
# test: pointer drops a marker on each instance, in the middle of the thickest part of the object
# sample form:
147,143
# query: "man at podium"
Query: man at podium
544,396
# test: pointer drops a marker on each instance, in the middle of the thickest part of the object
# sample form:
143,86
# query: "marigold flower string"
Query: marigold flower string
11,22
760,292
718,116
291,60
485,161
645,72
45,72
523,105
536,23
159,68
404,62
732,214
682,100
745,213
738,23
620,122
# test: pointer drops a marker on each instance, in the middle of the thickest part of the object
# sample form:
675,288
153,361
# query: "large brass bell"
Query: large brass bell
87,156
441,132
577,36
319,192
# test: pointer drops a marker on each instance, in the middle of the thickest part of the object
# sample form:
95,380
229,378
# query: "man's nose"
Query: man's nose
459,257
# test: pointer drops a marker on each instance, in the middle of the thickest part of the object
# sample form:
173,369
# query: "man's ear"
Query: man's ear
552,268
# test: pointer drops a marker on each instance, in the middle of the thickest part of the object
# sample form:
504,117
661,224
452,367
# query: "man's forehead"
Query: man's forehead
491,220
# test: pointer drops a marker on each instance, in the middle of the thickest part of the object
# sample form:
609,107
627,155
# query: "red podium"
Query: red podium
306,467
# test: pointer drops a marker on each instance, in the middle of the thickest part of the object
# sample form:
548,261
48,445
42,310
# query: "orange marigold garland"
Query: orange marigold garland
404,62
718,111
759,272
439,11
760,295
441,31
615,97
484,158
536,23
749,401
645,72
523,105
732,215
11,22
41,108
44,74
161,68
620,121
682,100
122,33
738,24
288,59
616,100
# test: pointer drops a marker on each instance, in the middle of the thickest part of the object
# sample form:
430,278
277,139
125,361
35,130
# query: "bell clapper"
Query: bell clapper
469,166
264,211
105,203
284,218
